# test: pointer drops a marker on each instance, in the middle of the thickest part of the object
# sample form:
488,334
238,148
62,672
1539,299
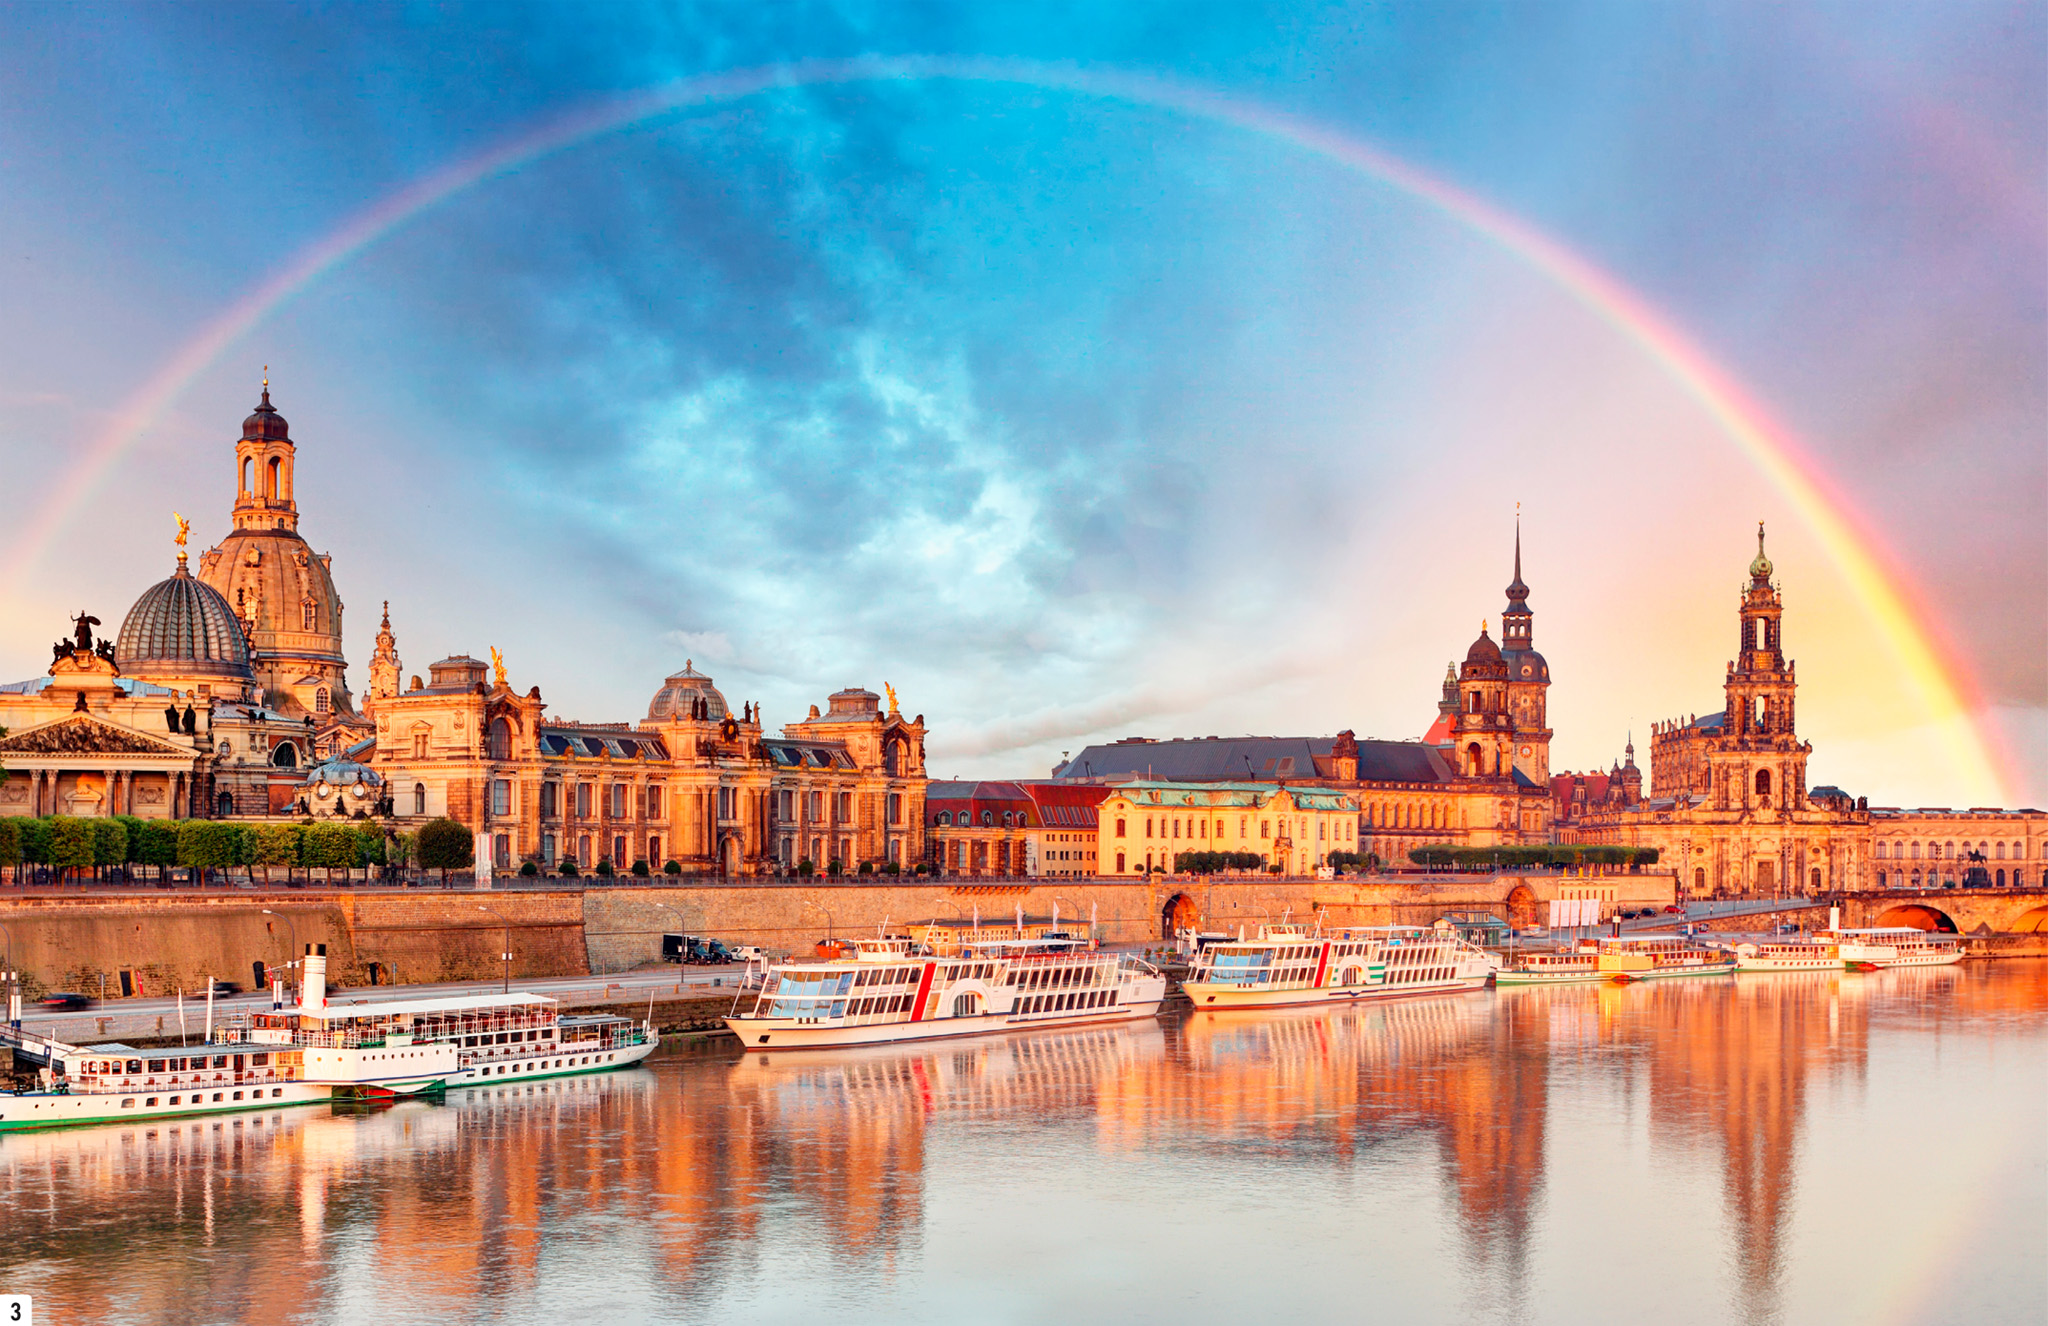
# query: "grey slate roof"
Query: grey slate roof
1252,759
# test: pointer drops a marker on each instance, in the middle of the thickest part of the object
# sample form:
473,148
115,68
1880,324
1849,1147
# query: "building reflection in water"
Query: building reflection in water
705,1179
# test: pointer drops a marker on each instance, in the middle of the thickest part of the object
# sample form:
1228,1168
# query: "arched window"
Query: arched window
285,755
946,819
500,739
245,474
419,798
224,805
2000,849
988,819
320,701
271,473
1120,833
1763,782
306,615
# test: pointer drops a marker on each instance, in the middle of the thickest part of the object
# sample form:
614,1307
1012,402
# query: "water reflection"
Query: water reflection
772,1183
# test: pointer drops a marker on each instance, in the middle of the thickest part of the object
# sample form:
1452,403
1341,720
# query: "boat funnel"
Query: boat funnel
1834,918
313,993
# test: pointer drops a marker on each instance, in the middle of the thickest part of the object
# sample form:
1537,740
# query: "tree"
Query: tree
370,848
10,843
208,844
275,845
528,869
35,840
329,847
567,865
109,842
71,844
604,867
640,870
157,844
672,868
445,845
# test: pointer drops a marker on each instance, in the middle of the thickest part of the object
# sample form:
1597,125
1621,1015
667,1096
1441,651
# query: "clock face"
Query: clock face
1527,751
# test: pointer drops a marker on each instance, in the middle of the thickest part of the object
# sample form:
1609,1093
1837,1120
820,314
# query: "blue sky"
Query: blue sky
1070,417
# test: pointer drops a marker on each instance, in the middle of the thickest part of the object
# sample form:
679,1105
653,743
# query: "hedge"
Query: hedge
1555,855
1208,863
109,842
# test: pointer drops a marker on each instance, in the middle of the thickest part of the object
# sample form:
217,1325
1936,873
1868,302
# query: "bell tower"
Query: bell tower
263,462
1760,763
1528,677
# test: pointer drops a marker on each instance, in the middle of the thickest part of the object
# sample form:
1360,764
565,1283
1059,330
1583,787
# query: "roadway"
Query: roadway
159,1016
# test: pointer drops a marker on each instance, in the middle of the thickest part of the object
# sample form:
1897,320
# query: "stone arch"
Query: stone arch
285,755
1522,906
1920,916
499,739
2031,922
729,854
1178,914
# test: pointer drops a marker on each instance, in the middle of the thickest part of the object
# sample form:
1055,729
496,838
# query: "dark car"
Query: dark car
64,1002
225,988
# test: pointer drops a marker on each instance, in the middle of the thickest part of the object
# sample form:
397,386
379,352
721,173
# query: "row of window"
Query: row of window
1900,850
1170,827
965,819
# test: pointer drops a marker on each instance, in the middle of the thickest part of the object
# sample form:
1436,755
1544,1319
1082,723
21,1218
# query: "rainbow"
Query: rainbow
1935,675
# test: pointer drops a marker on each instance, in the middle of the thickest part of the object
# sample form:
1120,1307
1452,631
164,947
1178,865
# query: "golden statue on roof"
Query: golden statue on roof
184,530
892,696
498,665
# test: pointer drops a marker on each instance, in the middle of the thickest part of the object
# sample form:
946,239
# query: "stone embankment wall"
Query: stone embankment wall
172,941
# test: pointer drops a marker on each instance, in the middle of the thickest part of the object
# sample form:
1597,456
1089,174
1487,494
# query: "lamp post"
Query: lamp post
684,923
13,989
828,918
508,943
292,953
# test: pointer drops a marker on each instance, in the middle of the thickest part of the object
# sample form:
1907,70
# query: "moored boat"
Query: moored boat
1654,957
416,1045
1551,966
1802,954
884,993
1287,965
1900,946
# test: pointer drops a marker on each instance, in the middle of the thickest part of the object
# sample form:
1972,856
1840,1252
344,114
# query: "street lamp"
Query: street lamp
828,918
13,989
508,943
291,929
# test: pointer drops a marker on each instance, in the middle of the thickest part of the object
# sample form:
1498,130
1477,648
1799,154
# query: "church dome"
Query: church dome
266,425
182,627
1483,650
680,691
1526,665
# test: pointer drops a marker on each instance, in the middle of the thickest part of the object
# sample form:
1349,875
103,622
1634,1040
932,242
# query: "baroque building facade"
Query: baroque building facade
1729,805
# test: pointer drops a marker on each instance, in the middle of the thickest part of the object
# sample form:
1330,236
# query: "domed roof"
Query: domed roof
182,627
1760,566
1483,650
1526,665
266,425
677,693
342,773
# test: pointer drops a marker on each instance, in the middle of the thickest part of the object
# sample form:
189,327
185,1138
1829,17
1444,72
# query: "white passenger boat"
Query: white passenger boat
1654,957
1900,946
884,993
103,1083
454,1040
1803,954
1288,965
1551,966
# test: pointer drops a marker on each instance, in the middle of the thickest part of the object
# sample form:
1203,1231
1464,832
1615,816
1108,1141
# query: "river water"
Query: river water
1800,1148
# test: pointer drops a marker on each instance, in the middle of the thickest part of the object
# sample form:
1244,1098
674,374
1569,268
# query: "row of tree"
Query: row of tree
1210,863
66,843
1568,856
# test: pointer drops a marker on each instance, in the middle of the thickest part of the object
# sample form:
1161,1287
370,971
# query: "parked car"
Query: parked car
697,950
747,952
64,1002
1674,910
222,989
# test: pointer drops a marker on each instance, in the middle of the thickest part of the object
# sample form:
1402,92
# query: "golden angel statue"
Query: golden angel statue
892,696
498,664
184,529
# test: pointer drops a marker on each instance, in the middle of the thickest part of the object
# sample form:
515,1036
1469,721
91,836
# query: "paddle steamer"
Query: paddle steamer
1901,946
1551,966
884,993
1288,965
1654,957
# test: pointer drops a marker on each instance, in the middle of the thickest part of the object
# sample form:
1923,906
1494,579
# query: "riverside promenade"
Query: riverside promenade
144,941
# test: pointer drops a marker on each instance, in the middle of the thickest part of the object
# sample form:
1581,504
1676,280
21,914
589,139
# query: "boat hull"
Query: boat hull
50,1109
771,1034
1509,976
556,1064
1213,995
1670,973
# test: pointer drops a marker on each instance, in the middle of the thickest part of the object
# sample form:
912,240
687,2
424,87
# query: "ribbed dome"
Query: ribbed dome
266,425
677,693
182,627
1483,650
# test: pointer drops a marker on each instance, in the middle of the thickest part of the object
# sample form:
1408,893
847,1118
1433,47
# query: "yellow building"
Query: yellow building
1144,824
